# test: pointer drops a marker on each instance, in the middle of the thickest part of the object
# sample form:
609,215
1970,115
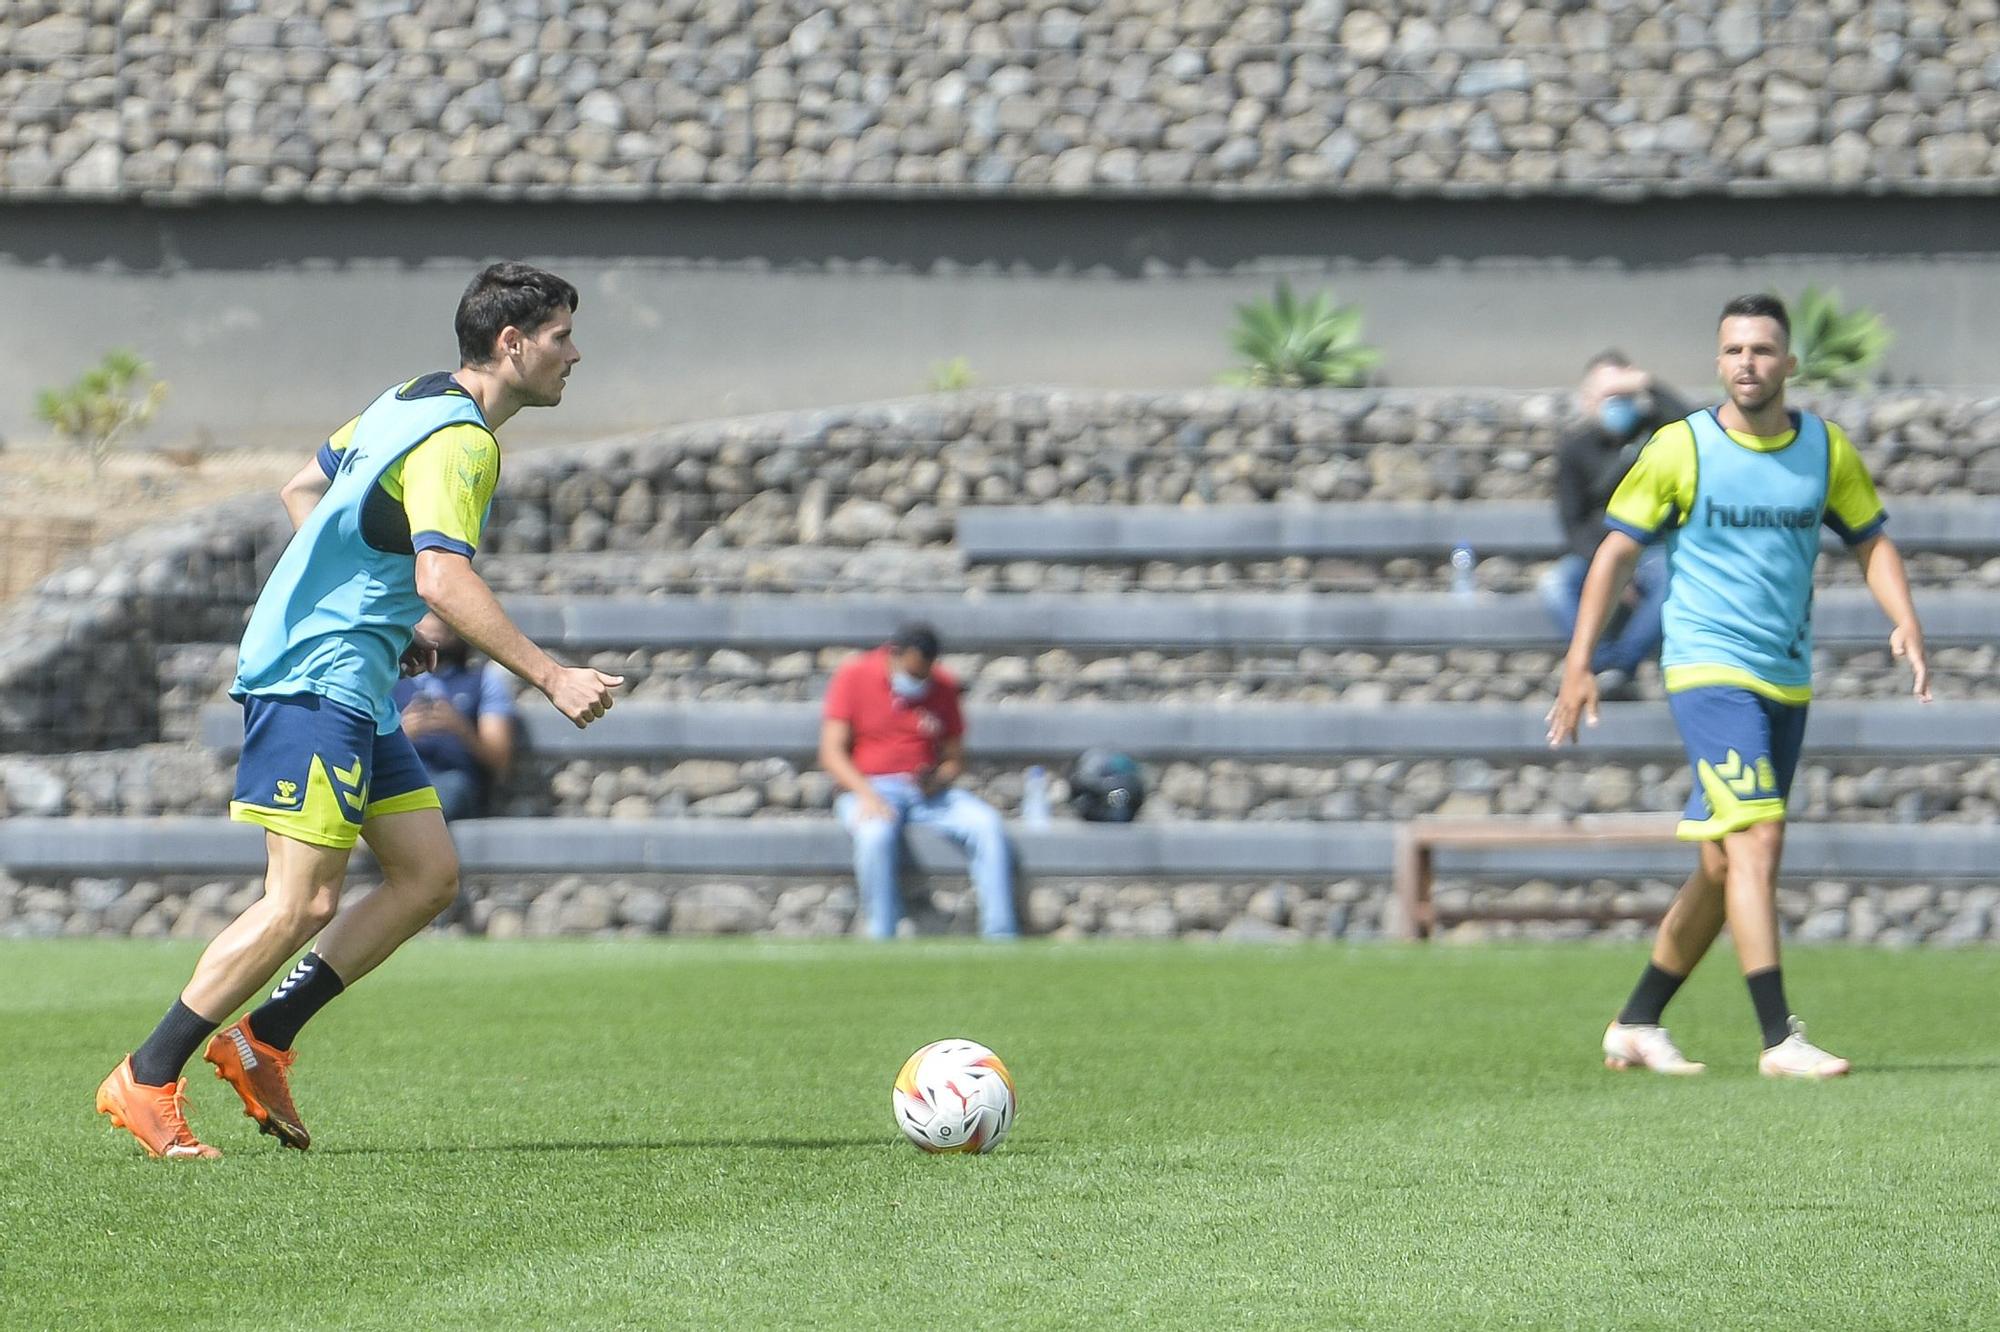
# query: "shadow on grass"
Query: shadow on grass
1970,1066
657,1145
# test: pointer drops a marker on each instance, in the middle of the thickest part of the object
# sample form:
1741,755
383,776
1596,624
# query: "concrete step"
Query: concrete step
1211,850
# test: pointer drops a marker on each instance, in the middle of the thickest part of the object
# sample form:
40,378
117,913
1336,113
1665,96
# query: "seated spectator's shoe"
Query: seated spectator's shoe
156,1116
257,1072
1797,1057
1645,1045
1616,686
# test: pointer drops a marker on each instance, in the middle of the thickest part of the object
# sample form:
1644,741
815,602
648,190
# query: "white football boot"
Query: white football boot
1645,1045
1797,1057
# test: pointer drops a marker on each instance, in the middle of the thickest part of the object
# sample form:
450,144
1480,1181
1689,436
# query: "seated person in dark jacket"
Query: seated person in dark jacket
461,720
1619,406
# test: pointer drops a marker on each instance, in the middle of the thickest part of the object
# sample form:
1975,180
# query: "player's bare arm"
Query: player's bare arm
447,583
1610,570
1882,567
303,491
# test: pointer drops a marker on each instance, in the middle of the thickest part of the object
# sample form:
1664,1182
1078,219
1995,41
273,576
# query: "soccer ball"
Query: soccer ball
954,1096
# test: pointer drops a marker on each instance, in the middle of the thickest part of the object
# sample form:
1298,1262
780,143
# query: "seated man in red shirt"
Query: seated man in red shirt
892,735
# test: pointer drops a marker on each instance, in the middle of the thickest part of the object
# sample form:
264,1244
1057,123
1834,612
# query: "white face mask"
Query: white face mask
907,686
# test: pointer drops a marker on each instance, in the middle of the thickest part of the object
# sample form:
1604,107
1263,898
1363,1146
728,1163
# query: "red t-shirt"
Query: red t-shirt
892,735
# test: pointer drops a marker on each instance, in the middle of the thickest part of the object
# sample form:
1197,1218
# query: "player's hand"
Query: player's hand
420,718
420,657
1907,640
1577,698
582,694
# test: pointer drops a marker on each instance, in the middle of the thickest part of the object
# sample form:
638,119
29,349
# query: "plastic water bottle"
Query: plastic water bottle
1035,797
1463,561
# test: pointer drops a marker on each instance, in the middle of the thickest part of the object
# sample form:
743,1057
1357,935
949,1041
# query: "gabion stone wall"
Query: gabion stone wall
1260,911
844,497
354,99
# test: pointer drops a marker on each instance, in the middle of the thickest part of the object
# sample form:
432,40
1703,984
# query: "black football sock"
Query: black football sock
160,1060
311,986
1767,991
1650,996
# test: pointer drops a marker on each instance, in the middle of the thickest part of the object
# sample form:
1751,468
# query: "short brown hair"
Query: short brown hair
1758,305
503,295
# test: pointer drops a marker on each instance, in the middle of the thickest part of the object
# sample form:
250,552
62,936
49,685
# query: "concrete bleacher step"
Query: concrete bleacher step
1003,731
1148,620
1072,533
1205,850
1872,787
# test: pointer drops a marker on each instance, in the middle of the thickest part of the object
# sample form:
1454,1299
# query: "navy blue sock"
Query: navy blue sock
1774,1015
311,986
1650,996
160,1060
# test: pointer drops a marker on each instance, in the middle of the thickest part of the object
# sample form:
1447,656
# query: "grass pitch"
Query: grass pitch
698,1135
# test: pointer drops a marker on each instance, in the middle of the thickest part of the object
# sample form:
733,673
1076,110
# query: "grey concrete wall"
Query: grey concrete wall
276,322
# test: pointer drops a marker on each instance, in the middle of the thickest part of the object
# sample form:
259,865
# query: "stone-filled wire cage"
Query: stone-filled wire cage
408,99
726,569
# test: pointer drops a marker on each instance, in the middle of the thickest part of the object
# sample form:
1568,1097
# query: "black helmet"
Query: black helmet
1106,787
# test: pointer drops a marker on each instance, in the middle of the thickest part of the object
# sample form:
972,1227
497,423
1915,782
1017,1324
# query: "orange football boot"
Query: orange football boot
156,1116
257,1072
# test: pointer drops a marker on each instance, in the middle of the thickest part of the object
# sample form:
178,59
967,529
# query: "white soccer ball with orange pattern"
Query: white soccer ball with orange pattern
954,1096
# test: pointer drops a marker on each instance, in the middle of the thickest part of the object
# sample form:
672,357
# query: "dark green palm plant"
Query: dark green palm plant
1835,347
1289,343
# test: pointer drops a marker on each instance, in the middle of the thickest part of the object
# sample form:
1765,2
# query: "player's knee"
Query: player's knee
1755,846
438,889
304,916
1765,838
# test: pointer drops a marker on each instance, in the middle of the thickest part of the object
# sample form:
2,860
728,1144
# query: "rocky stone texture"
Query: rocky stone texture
1252,911
1056,675
1311,675
346,99
894,567
81,657
863,498
1850,790
846,497
183,779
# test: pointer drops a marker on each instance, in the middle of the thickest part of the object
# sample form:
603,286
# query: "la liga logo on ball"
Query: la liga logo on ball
954,1096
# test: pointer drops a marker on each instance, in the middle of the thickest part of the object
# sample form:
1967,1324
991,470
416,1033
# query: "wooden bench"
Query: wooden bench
1418,840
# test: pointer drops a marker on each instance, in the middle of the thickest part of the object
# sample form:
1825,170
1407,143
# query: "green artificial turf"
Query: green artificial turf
698,1135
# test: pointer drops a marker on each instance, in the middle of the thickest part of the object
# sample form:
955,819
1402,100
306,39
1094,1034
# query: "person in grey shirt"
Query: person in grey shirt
1619,406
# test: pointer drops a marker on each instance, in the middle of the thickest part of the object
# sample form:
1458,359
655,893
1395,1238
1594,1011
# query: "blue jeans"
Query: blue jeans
1638,638
459,793
963,817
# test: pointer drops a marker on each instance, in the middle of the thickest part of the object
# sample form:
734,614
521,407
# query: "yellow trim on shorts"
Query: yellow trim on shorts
424,797
1679,678
1728,811
319,818
295,824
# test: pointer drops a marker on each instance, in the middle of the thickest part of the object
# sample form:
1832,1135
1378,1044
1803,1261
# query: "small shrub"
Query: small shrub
117,398
1290,343
953,376
1836,348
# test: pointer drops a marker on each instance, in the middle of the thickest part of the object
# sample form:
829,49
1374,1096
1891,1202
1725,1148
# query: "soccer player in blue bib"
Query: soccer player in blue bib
388,516
1739,493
